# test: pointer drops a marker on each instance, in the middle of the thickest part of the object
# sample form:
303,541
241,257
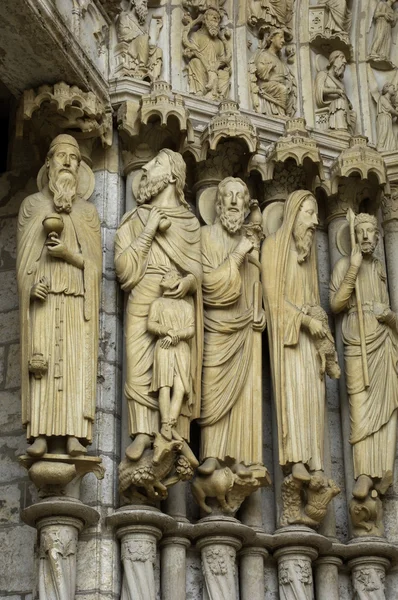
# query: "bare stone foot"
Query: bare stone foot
362,487
243,471
74,447
135,450
208,467
165,431
300,472
38,448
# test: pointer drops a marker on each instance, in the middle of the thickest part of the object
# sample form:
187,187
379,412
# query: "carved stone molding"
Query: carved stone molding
229,122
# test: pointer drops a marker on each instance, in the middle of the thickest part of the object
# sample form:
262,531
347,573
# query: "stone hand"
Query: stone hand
356,256
154,219
175,339
381,312
57,249
245,246
166,342
181,288
39,290
316,329
260,325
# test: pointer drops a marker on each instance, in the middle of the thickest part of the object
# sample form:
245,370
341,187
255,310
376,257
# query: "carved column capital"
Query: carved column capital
389,206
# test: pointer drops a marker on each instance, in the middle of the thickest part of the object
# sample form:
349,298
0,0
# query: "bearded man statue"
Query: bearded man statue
160,235
59,265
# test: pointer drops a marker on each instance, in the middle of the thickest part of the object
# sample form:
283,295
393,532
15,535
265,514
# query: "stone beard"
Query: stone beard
230,427
290,283
59,337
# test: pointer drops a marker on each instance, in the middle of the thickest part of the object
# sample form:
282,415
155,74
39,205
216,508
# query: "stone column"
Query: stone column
327,577
252,581
368,577
139,529
390,226
295,572
58,522
173,560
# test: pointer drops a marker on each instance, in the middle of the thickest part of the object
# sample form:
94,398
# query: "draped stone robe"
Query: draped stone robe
140,266
231,414
63,329
373,411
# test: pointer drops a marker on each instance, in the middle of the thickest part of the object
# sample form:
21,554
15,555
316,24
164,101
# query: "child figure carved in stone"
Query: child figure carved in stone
172,320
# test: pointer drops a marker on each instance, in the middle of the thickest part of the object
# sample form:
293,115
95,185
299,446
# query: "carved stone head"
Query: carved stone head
212,20
337,63
62,162
167,167
275,40
305,226
170,280
367,232
232,203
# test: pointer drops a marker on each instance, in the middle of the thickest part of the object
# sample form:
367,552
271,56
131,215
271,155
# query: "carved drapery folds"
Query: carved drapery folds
384,21
207,49
329,26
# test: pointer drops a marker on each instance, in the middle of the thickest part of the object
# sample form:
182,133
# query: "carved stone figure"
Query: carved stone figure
272,85
386,114
59,263
269,14
231,407
158,262
385,18
136,54
338,17
208,53
291,285
367,515
57,570
358,288
330,93
369,582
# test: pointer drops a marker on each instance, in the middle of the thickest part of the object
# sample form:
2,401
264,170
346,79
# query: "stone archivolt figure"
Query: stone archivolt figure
144,60
290,285
271,14
208,54
59,264
160,235
385,18
373,408
386,114
338,17
330,93
272,83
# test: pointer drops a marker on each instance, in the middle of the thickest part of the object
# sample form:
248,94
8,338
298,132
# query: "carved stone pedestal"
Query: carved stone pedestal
218,539
139,529
58,522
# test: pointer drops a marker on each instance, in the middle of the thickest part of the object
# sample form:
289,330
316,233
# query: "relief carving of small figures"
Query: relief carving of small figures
59,265
387,114
273,85
369,584
231,430
384,19
57,570
295,580
330,94
358,289
137,54
208,52
158,263
272,14
290,285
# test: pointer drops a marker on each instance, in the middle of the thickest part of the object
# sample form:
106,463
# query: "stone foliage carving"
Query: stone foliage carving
358,289
368,583
272,84
330,95
305,503
218,564
290,285
295,580
57,570
59,266
207,51
231,438
158,263
138,557
137,54
384,20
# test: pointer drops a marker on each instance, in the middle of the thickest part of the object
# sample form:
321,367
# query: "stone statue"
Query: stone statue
338,17
231,430
290,285
270,14
59,265
135,54
371,353
386,114
385,18
208,53
330,93
158,263
273,87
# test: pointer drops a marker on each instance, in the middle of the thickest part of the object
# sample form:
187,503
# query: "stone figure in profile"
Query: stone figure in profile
231,429
59,265
384,18
290,283
208,53
386,115
330,92
373,407
158,238
273,86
